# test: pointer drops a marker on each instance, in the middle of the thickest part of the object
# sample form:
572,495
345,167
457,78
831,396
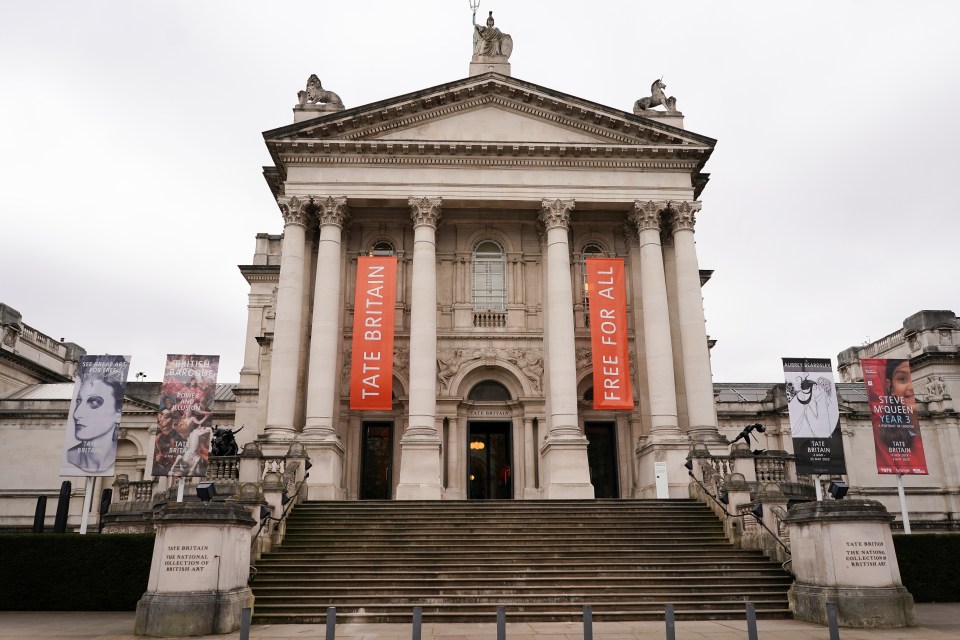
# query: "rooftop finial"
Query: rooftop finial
491,47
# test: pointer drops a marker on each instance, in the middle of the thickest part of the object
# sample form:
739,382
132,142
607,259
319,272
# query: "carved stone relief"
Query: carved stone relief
450,361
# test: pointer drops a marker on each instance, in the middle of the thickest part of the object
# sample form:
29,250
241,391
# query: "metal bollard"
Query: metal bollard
587,622
501,623
245,623
832,621
751,621
671,624
417,622
331,623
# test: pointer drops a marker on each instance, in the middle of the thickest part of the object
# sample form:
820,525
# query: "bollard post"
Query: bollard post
501,623
832,621
40,514
417,622
671,624
331,623
751,622
245,623
63,507
587,622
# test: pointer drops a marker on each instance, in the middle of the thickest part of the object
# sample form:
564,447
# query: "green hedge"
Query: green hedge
929,565
70,572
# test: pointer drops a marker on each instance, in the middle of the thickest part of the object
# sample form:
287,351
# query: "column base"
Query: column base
566,470
710,436
670,449
862,607
326,471
191,613
420,470
279,434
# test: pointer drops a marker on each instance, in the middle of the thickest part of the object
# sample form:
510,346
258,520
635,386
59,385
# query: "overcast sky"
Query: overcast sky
131,152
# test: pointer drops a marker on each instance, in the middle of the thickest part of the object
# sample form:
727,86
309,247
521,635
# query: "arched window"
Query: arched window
489,391
489,277
383,248
591,250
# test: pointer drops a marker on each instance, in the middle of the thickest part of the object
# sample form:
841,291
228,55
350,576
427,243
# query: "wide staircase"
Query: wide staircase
541,560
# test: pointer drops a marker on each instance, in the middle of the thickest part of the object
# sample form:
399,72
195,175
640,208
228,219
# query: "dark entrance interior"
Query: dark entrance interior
375,467
602,457
489,474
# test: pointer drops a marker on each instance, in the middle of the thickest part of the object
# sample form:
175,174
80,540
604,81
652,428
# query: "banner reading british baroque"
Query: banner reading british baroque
184,419
371,370
814,416
608,334
93,425
893,412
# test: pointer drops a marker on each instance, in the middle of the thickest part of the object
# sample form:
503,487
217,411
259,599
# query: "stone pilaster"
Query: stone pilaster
420,464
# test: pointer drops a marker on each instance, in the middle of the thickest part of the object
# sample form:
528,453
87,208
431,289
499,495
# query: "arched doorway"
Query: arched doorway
489,448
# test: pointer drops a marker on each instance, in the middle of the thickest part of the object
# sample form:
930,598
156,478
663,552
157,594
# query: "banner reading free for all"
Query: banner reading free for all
608,334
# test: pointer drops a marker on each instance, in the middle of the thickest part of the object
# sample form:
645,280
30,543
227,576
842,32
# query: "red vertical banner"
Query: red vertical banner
607,295
371,371
893,412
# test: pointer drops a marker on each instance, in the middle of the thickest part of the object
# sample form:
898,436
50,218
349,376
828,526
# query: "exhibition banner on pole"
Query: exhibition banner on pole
814,416
893,412
607,293
371,369
93,424
184,429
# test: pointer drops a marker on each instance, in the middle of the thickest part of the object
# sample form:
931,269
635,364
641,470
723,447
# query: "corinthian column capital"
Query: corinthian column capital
295,210
630,233
555,214
425,211
332,210
684,215
646,215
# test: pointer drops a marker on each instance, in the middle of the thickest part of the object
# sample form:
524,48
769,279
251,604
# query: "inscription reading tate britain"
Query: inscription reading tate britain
865,553
187,557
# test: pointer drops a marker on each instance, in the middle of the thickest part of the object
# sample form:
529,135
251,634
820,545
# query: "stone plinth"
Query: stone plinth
843,553
310,111
198,577
486,64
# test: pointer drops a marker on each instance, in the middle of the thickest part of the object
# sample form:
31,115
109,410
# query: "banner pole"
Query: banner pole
87,500
903,504
818,487
180,489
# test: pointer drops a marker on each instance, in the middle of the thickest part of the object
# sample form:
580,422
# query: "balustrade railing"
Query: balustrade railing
224,468
489,319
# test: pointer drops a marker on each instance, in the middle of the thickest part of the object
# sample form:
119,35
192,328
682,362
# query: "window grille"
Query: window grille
489,277
383,248
589,251
489,391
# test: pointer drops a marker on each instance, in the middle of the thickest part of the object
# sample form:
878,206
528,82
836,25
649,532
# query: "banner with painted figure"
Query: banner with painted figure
814,416
184,419
371,369
93,425
893,412
606,290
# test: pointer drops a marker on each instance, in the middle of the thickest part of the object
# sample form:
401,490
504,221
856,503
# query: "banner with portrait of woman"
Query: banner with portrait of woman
814,416
93,424
184,416
893,412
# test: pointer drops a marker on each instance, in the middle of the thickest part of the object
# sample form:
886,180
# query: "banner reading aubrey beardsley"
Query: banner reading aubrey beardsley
371,371
93,426
893,412
184,423
814,416
608,334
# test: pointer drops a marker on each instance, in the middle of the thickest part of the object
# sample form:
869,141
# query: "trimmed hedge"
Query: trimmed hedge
70,572
929,565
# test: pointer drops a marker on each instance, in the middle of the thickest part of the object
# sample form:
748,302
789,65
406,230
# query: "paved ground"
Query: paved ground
937,622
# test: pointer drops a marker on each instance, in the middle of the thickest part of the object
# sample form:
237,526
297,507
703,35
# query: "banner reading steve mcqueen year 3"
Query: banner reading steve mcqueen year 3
608,334
814,416
893,412
371,371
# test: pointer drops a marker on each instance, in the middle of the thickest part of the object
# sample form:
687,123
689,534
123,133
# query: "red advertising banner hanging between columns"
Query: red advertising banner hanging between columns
371,371
607,295
893,412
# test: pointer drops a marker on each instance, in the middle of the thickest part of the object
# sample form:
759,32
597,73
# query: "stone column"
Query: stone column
656,319
323,443
566,471
529,458
697,377
288,326
420,444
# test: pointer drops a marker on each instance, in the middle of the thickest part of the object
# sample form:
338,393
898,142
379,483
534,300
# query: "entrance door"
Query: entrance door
602,458
375,467
489,474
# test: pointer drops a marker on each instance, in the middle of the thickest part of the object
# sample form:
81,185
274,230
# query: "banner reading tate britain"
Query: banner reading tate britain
371,369
608,334
893,412
814,416
184,429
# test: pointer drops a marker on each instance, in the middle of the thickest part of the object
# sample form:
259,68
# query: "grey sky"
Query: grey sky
131,153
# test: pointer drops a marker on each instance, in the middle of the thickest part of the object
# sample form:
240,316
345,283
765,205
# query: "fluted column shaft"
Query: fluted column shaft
288,325
325,339
656,318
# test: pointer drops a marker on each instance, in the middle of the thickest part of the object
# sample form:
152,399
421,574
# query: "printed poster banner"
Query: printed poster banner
184,429
371,369
814,416
93,425
608,334
893,411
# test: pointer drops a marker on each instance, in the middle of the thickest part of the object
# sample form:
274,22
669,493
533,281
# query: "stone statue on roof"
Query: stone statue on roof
656,98
489,41
316,94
